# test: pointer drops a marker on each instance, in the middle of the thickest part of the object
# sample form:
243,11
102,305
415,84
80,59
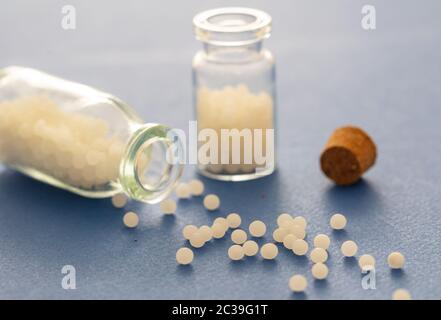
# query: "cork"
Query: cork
348,153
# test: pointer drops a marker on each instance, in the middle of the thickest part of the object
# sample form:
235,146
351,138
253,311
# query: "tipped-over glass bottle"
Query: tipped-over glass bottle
83,140
234,94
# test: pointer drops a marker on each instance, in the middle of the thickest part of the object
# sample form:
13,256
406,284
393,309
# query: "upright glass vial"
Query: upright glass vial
83,140
234,94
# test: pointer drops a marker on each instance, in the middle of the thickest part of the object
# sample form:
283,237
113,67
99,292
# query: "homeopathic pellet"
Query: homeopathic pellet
183,191
234,220
257,228
239,236
197,239
322,241
366,261
298,283
318,255
168,206
188,230
184,256
319,271
269,251
349,248
235,252
119,200
299,247
211,202
338,221
250,248
401,294
396,260
196,187
131,220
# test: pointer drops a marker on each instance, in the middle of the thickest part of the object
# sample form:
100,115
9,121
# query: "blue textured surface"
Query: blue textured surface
331,72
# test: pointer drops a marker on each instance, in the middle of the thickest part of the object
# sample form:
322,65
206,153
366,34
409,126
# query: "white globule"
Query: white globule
282,218
131,220
234,220
366,261
298,231
298,283
184,256
197,239
300,221
286,223
250,248
401,294
211,202
119,200
396,260
257,228
188,230
222,222
279,234
300,247
338,221
318,255
236,252
183,191
234,107
319,271
289,240
322,241
75,148
168,206
218,230
196,187
269,251
349,248
206,232
239,236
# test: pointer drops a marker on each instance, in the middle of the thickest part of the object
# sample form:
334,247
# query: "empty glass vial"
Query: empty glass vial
234,94
80,139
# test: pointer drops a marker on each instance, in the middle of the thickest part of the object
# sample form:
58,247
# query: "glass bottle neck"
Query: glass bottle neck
233,53
152,163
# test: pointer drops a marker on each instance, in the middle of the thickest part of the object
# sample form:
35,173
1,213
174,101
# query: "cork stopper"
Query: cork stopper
348,153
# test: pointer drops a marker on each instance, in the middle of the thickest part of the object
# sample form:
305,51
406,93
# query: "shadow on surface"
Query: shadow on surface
361,198
263,193
185,270
25,196
320,284
299,296
350,262
397,274
50,226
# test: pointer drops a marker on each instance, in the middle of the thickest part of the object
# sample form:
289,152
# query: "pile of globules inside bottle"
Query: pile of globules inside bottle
72,147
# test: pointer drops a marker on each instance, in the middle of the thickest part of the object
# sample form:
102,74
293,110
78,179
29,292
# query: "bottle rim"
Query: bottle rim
152,164
232,26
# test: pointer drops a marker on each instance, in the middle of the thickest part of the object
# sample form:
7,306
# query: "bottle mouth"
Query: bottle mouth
152,164
232,26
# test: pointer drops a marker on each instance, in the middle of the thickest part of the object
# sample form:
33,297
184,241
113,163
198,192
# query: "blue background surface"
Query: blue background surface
330,72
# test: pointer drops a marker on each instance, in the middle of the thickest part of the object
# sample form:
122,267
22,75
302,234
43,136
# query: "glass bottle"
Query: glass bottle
83,140
234,94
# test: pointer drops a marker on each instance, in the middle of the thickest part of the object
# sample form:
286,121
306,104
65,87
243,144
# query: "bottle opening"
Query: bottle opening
152,165
232,26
